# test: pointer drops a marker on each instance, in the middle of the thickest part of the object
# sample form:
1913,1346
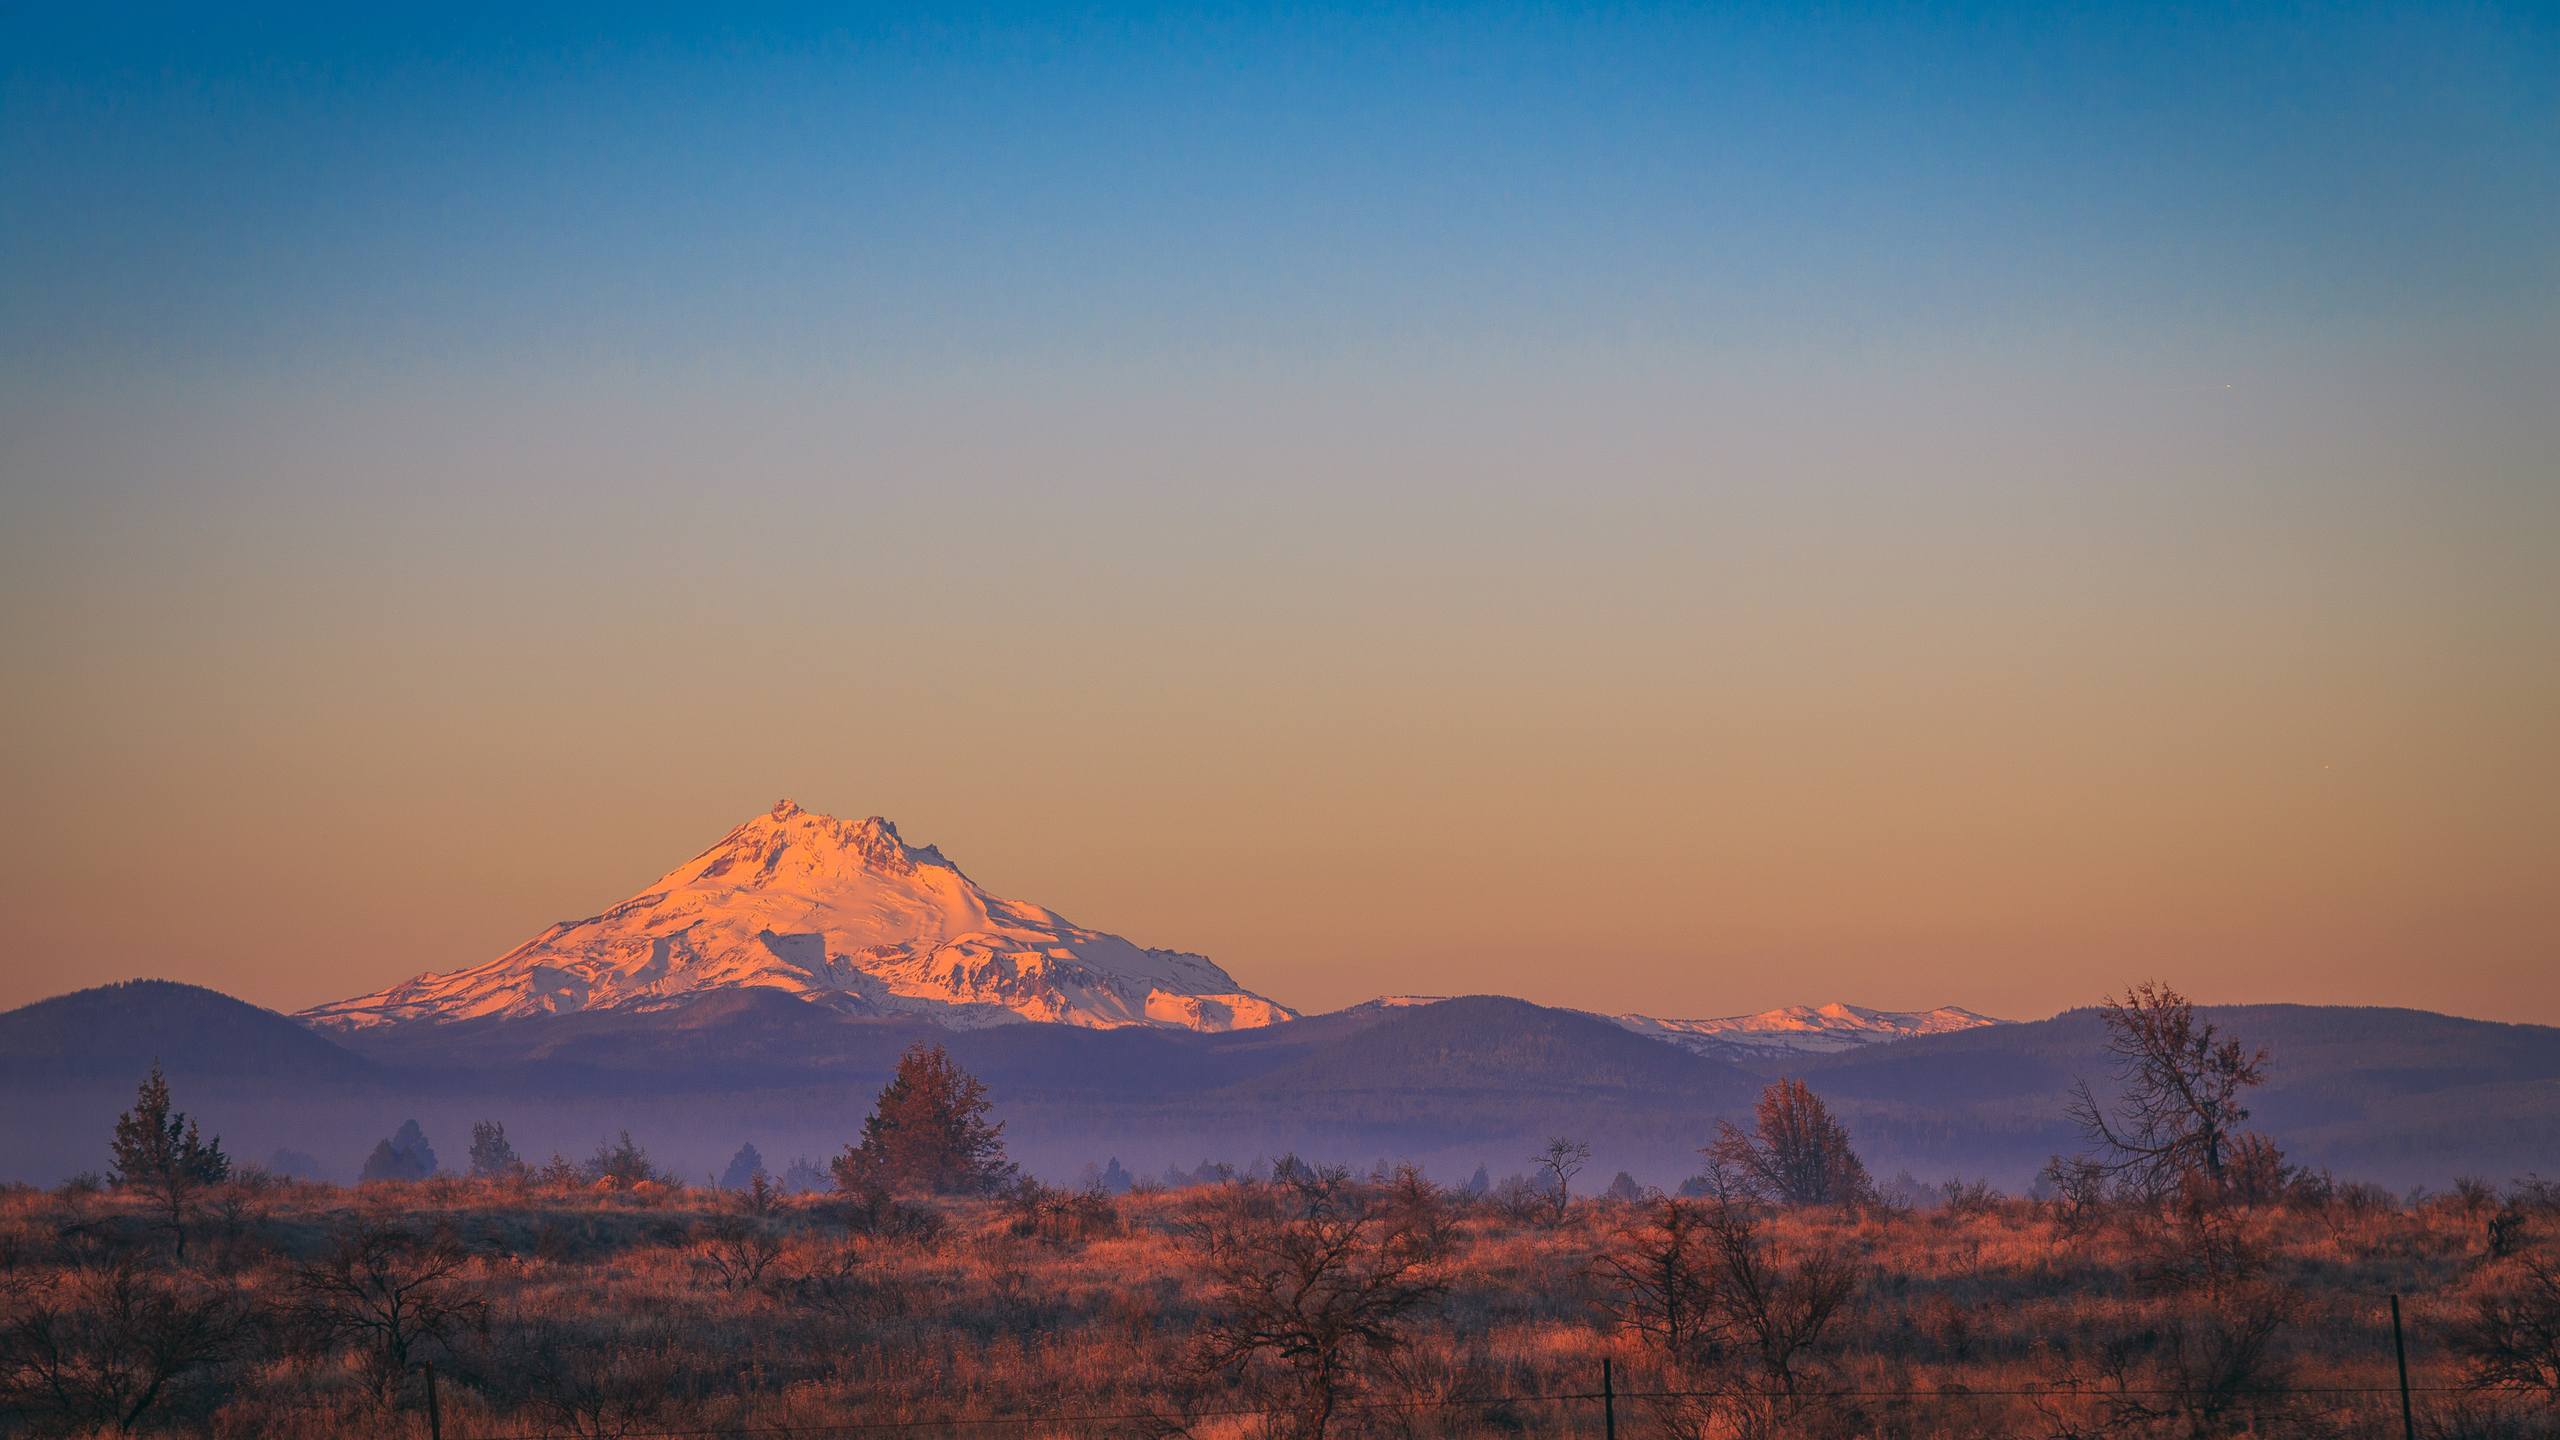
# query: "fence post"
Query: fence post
2400,1352
435,1415
1608,1398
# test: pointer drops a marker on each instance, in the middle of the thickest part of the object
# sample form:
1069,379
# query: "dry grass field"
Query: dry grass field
1371,1307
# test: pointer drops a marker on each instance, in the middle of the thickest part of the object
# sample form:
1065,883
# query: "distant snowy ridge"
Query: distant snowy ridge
1789,1030
844,914
1805,1029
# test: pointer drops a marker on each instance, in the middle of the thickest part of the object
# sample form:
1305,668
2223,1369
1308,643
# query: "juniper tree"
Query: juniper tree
928,1132
158,1153
404,1155
493,1157
745,1168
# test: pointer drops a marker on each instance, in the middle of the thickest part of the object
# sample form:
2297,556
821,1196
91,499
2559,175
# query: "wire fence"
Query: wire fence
1604,1416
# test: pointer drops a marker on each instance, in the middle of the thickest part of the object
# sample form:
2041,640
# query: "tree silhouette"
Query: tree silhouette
928,1133
492,1156
743,1169
158,1153
1321,1278
1562,1159
2180,1112
1795,1153
405,1155
389,1291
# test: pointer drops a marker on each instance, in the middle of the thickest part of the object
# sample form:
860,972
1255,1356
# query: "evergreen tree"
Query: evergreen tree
624,1163
743,1169
294,1165
928,1133
158,1153
406,1155
492,1156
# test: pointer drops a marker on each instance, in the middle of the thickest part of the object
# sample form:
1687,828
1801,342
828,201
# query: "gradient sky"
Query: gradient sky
1631,507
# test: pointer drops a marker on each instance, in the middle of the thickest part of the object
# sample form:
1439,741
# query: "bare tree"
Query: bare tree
1324,1277
1760,1325
2179,1110
1560,1162
1795,1153
1659,1280
388,1291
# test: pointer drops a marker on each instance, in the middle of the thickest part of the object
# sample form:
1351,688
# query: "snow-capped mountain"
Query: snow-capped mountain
1804,1029
841,913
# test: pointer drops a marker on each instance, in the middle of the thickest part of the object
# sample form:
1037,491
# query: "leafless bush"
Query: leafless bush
2074,1192
588,1383
736,1250
1658,1283
855,1284
110,1346
876,1212
1059,1216
1754,1360
389,1292
2197,1245
1318,1277
2506,1231
1517,1199
2213,1368
2511,1338
1966,1199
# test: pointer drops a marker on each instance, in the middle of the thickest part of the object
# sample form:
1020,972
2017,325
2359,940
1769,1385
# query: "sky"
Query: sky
1680,509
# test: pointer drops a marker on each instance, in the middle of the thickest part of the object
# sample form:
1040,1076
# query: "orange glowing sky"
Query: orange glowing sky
1928,517
1958,704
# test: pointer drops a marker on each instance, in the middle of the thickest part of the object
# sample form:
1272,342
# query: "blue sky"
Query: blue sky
875,189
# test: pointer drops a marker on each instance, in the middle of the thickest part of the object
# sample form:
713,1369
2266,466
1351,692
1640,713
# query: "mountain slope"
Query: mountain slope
117,1032
846,914
2399,1095
1493,1043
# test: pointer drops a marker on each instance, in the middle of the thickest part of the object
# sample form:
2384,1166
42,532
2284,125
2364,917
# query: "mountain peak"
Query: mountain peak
841,913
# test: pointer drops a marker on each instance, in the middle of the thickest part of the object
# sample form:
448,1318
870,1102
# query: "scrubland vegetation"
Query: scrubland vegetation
2177,1280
